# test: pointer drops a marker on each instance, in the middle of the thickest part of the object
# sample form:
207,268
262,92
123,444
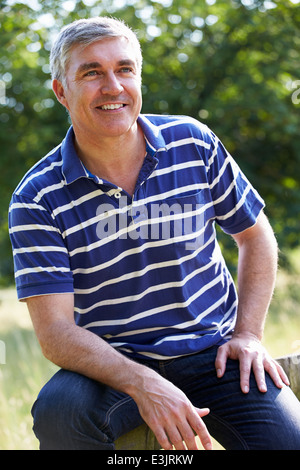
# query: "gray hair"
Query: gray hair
85,32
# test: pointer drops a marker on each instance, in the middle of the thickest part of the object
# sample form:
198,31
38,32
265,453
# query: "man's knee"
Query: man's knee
65,416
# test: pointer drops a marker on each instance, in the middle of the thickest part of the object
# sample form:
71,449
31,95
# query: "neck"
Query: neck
117,159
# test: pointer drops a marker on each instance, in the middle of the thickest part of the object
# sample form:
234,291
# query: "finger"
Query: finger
200,429
221,359
282,374
169,435
162,439
245,370
277,374
259,373
176,438
184,438
202,411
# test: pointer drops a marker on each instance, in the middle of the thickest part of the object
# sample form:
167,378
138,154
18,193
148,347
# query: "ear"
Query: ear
59,91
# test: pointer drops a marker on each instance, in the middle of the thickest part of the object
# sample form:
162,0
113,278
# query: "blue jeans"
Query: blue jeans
74,412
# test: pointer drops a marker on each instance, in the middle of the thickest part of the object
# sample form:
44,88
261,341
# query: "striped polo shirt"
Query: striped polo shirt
146,271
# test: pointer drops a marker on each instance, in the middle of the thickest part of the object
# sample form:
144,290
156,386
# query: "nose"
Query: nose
111,85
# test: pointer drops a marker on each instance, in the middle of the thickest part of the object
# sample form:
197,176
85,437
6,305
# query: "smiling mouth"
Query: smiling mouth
111,107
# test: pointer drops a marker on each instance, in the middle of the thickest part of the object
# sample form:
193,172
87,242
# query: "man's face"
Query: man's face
103,92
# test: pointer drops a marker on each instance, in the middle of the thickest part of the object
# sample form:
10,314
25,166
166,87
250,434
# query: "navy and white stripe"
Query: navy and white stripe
146,271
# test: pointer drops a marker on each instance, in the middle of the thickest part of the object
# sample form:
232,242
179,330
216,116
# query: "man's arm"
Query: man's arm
256,279
163,406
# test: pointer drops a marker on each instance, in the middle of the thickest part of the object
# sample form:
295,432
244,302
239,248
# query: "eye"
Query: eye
91,73
126,70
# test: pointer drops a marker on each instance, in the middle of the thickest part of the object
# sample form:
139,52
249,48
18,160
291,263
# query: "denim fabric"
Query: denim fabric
73,412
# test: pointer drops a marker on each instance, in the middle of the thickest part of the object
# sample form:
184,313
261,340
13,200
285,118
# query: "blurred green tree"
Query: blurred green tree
232,64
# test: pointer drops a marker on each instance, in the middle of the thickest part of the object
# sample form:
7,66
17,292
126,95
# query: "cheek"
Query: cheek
138,96
80,100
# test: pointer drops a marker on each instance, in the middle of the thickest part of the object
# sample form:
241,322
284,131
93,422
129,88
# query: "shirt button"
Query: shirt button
117,195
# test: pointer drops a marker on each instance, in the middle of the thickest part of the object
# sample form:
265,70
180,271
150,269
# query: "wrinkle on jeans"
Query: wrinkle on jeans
229,437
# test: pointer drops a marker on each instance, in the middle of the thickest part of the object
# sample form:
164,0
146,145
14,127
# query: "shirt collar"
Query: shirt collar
73,168
152,134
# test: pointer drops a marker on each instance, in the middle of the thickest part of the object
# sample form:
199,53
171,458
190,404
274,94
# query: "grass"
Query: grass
26,370
21,377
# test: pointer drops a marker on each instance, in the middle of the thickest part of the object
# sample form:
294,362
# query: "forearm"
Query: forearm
74,348
163,406
256,278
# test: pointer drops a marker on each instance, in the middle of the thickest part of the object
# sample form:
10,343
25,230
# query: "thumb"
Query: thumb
202,411
221,359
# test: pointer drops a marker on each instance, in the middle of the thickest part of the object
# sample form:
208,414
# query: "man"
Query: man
116,255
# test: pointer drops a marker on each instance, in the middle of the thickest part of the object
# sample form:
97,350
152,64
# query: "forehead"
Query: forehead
105,51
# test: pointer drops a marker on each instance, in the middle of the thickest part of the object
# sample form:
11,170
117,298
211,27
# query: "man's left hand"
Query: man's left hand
247,348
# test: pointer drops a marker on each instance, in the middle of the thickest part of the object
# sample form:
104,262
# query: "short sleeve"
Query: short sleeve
41,260
236,202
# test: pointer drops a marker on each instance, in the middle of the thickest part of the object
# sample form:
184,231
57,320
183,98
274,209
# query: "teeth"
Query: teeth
112,106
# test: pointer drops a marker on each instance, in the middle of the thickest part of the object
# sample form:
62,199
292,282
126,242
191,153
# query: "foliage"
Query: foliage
230,63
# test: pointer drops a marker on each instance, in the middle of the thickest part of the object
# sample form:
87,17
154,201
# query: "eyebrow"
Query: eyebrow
88,66
96,65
